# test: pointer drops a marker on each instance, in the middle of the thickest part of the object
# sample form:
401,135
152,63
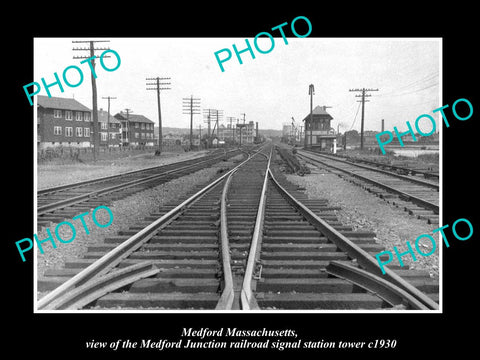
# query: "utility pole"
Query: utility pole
200,136
91,48
208,113
108,119
232,128
218,113
158,86
241,126
191,106
311,92
363,101
128,111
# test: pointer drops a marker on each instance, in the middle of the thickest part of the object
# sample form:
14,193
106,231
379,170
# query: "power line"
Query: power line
398,91
355,118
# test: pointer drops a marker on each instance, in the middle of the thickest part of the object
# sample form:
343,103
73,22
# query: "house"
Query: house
62,122
135,129
318,132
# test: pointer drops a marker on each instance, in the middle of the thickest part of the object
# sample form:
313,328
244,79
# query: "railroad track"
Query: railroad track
60,202
405,167
420,197
243,242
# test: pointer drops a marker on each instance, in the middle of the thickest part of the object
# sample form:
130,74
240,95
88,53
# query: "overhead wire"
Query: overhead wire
358,108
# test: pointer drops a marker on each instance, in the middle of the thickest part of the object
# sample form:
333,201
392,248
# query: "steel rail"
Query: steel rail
380,287
76,199
248,301
228,294
116,255
419,201
363,258
127,173
99,286
379,164
403,177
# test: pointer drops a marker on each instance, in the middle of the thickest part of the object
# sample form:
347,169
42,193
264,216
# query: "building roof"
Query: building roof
133,118
103,117
60,103
319,110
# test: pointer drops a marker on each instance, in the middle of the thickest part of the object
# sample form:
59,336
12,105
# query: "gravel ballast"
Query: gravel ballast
126,212
364,211
52,174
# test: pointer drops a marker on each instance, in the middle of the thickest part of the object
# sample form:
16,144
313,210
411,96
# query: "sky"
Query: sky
270,89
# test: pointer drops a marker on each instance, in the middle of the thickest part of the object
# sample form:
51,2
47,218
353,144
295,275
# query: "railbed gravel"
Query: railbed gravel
364,211
126,212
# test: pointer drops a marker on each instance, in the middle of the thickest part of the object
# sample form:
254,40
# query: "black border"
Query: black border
60,334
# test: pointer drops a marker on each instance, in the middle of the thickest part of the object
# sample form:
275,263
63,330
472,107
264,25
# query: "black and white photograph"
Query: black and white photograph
287,182
245,187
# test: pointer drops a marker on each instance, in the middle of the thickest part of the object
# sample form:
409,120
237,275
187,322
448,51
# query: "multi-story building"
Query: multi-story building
62,122
246,132
110,129
136,129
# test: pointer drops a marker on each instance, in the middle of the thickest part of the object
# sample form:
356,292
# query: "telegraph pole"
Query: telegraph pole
191,106
128,111
158,86
363,101
108,119
91,48
311,92
241,126
216,121
200,136
232,129
208,115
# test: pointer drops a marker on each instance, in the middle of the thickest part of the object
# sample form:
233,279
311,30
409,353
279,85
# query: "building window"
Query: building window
142,126
57,113
136,135
103,126
86,116
79,132
86,132
112,136
103,135
136,125
68,115
57,130
78,116
68,131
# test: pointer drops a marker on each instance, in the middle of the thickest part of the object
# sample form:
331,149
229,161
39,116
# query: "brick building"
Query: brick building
110,129
136,129
62,122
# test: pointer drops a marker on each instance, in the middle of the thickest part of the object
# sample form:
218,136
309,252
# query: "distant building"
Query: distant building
318,133
110,129
135,129
62,122
247,133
